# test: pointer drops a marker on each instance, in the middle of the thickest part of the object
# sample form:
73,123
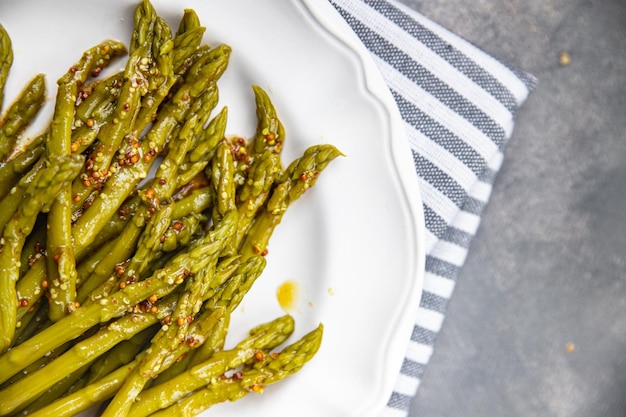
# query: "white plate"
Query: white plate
354,243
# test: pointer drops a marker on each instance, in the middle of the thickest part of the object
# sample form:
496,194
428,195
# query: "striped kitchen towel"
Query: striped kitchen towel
458,104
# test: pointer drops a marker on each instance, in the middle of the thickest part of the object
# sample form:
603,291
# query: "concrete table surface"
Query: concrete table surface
537,323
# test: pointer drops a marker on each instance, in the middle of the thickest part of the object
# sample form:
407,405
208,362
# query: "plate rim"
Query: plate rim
323,12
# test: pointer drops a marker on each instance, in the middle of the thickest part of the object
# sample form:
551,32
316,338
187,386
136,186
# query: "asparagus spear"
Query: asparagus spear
256,189
6,60
161,283
263,337
270,370
21,113
167,340
157,223
13,169
30,156
23,159
196,202
29,288
22,392
208,141
40,194
119,186
203,150
188,22
114,226
106,386
146,65
223,180
11,202
54,392
299,177
187,39
122,249
270,132
96,101
60,259
122,354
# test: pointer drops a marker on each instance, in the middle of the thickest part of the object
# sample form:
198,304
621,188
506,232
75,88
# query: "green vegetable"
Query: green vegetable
38,196
21,113
297,179
60,259
6,60
264,337
254,379
132,227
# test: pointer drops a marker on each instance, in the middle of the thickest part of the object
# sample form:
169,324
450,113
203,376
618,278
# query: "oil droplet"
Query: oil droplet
287,295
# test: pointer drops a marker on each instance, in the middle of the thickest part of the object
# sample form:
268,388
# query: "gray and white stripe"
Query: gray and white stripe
458,105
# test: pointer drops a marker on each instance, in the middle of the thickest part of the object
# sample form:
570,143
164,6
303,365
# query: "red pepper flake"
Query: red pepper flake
178,225
126,106
258,388
123,211
96,71
23,302
259,356
119,270
150,194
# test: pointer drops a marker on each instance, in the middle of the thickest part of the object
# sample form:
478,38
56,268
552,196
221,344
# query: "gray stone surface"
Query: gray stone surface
546,269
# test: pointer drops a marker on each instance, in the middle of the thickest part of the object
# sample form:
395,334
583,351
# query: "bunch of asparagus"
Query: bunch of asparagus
116,286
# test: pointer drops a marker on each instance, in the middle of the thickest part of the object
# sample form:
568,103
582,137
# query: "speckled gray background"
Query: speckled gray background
547,267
